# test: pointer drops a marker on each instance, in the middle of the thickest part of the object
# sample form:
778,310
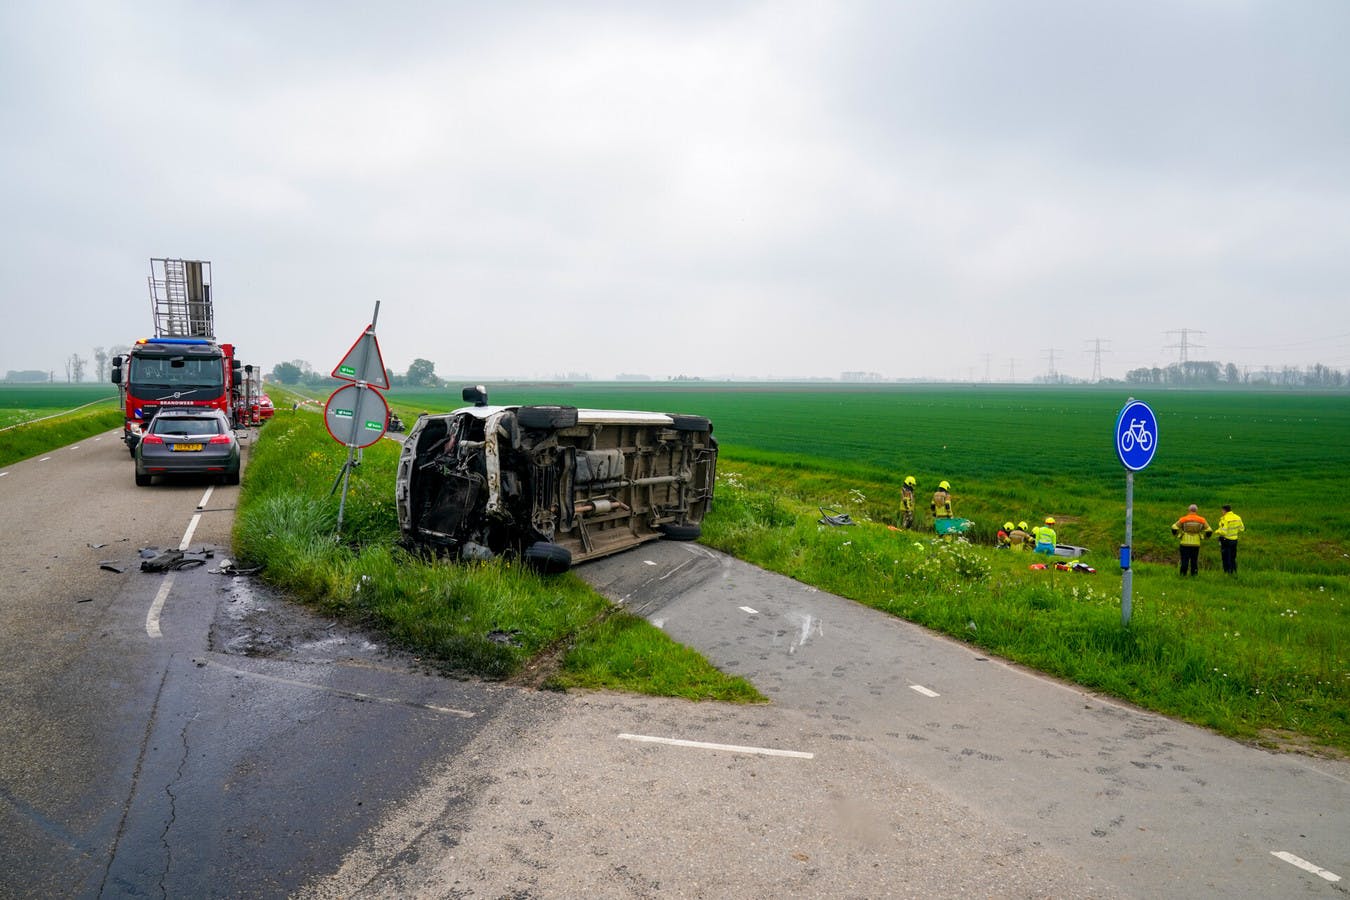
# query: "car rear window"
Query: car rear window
192,427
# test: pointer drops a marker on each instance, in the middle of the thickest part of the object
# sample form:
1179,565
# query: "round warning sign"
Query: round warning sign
356,415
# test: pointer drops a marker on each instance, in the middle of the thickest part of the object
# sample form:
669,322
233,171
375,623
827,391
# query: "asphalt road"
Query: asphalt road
891,762
184,734
221,742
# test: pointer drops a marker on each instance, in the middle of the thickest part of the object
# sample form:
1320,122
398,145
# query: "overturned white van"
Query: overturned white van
555,485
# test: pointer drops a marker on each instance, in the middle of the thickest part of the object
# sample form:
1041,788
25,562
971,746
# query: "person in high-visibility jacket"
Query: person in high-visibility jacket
907,503
1020,537
942,501
1230,526
1190,530
1045,536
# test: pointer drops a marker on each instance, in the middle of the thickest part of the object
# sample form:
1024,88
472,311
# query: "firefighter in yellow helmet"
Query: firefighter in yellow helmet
942,501
1003,540
1019,537
907,503
1045,536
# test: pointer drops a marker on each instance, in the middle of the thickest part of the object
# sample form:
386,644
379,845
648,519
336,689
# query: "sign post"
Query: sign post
356,414
1136,442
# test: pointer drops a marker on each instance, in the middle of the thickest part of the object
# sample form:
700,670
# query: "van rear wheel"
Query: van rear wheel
547,558
682,532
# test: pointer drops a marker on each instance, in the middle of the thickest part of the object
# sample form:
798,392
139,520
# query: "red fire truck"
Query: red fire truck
182,365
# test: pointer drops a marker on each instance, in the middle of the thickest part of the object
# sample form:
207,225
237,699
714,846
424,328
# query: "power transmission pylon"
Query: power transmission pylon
1054,376
1097,357
1184,343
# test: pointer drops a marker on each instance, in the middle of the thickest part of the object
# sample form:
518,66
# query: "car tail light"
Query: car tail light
152,439
220,439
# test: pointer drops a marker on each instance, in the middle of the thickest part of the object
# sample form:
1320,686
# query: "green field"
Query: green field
35,419
25,402
1023,453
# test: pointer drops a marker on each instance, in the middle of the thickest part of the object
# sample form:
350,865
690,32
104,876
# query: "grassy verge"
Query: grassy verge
1264,656
489,619
35,438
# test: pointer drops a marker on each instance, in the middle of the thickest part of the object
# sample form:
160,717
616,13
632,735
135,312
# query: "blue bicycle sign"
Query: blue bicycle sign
1136,435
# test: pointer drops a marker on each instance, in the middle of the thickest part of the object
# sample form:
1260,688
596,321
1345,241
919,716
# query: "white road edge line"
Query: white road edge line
152,617
1305,865
731,748
76,447
44,459
746,609
201,504
3,474
920,689
354,695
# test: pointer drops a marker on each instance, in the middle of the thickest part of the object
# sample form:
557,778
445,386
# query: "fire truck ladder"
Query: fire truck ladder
180,298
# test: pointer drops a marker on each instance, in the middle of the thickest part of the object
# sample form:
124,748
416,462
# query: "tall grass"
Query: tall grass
485,619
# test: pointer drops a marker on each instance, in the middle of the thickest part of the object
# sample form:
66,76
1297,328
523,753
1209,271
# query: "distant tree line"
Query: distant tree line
421,373
1206,373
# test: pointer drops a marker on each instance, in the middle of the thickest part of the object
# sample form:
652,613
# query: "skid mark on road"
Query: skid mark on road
342,692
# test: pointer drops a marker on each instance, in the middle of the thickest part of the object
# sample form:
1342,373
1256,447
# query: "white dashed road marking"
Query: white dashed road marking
920,689
152,617
730,748
1305,865
746,609
44,459
157,605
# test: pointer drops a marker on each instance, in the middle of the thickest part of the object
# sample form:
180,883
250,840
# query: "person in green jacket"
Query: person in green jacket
1230,526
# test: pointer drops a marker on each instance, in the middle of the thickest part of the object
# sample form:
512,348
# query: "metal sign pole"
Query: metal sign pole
361,387
346,474
1127,577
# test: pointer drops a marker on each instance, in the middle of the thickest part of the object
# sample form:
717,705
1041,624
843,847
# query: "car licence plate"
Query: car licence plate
187,446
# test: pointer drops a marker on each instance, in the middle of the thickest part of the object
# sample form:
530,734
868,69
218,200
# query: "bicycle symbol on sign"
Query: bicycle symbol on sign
1136,433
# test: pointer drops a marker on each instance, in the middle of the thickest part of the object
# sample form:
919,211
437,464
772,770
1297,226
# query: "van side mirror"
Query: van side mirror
477,395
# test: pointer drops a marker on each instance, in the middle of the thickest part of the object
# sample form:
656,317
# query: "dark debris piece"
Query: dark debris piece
112,566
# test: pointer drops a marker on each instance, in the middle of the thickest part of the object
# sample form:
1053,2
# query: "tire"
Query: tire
547,416
548,559
682,532
143,480
692,423
231,478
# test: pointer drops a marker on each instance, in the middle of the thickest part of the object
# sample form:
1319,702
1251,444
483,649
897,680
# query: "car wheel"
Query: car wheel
692,423
547,416
232,478
143,480
682,532
548,559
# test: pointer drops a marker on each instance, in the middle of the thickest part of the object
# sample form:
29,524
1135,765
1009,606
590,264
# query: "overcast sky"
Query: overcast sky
918,189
